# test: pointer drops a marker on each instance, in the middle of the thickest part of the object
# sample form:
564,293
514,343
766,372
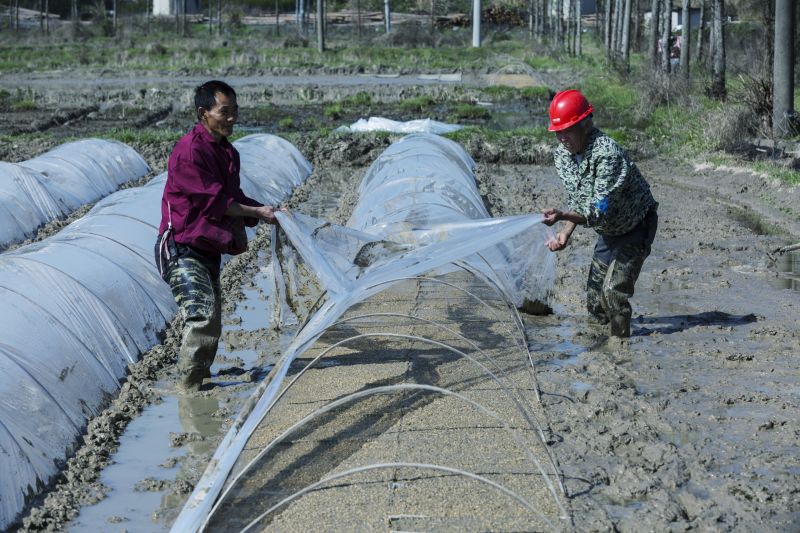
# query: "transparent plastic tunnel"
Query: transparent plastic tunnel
56,183
408,398
80,306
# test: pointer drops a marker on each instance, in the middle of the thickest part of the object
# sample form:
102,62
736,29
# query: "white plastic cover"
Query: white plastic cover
78,307
57,182
419,211
25,203
423,125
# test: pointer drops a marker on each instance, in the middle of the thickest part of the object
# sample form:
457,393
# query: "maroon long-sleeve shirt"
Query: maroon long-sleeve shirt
202,182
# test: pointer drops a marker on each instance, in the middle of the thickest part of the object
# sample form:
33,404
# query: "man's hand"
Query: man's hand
558,243
267,213
551,216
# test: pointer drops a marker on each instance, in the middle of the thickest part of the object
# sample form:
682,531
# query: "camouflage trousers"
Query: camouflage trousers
194,281
616,264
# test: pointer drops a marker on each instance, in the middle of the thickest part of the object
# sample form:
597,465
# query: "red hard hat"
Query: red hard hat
567,109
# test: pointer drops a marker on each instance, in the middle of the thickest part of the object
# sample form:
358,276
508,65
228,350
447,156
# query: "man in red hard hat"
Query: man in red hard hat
607,193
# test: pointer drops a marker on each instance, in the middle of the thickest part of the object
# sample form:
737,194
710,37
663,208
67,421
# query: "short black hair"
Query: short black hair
204,95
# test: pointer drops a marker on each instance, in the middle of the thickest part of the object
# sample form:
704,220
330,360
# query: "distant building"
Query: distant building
677,17
172,7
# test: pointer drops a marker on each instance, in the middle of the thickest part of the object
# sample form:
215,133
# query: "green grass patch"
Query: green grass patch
467,133
143,136
470,111
333,111
24,105
506,93
286,123
417,104
360,99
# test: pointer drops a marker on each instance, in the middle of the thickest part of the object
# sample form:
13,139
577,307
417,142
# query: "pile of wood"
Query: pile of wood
503,16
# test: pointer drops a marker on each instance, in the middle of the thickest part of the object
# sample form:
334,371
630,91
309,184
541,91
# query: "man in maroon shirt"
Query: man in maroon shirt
203,214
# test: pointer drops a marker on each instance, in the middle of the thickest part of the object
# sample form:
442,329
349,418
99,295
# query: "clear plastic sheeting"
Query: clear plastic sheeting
422,125
25,203
60,181
80,306
419,230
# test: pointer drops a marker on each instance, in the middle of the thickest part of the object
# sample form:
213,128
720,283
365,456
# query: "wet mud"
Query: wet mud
692,423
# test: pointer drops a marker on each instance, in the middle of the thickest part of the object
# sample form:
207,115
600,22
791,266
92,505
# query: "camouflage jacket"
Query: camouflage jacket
606,188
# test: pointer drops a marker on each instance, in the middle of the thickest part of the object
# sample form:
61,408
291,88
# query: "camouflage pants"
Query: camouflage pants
194,281
616,265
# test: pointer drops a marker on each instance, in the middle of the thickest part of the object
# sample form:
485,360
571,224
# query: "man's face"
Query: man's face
574,138
219,120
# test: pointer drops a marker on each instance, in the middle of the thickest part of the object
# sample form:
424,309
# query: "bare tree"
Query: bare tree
685,39
698,56
578,28
608,28
666,32
636,33
219,18
783,68
655,9
718,89
73,15
626,33
320,27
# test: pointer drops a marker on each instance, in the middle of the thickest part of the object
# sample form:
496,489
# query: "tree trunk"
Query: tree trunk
636,33
626,33
608,27
358,16
219,18
783,69
654,18
183,18
686,38
618,23
568,26
718,89
114,18
556,26
698,57
320,27
666,31
578,28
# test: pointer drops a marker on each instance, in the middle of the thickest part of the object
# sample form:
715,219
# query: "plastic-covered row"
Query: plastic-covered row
419,215
56,183
78,307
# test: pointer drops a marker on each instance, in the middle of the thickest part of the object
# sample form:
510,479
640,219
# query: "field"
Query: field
690,424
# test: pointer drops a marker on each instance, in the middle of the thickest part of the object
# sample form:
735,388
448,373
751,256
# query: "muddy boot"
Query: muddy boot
190,382
621,326
595,304
197,292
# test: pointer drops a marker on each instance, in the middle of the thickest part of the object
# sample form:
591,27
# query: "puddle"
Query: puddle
581,386
788,266
572,360
143,449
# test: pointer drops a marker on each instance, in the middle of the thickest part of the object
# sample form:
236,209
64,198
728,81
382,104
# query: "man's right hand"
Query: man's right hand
551,216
